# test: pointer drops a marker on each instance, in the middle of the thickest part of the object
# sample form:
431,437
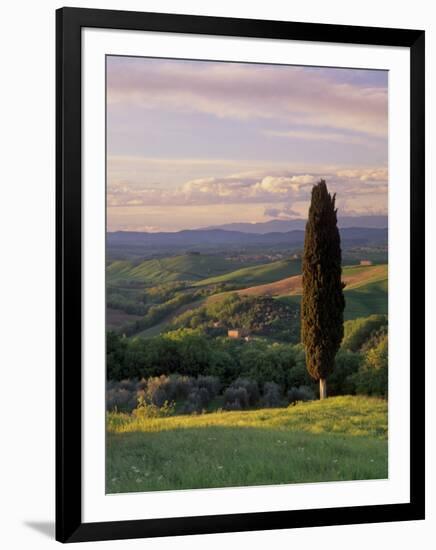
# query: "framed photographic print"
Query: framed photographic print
240,274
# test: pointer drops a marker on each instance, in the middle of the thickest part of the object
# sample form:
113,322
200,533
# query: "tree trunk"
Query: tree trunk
322,388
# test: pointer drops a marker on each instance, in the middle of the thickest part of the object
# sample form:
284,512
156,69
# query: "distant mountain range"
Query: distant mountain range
284,226
350,236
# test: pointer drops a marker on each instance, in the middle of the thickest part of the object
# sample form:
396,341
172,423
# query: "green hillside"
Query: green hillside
366,300
357,276
360,300
188,267
257,274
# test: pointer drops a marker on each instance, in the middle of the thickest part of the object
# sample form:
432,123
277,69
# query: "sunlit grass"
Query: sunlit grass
349,415
342,438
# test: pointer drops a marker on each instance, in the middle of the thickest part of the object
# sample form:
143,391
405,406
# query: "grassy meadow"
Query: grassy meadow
343,438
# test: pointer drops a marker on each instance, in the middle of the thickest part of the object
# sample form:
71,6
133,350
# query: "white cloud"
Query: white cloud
355,189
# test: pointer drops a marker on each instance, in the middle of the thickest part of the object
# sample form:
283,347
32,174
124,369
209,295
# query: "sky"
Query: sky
197,143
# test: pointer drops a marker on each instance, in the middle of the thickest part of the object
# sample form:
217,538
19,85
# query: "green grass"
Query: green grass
175,268
342,438
361,299
366,300
377,274
258,274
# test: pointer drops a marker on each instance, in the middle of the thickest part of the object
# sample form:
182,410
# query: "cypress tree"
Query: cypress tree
322,306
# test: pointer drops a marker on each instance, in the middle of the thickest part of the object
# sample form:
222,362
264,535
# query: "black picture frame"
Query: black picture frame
69,22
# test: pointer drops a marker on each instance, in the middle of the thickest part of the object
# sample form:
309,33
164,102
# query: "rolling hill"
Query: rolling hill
366,290
353,276
366,300
362,301
257,274
187,267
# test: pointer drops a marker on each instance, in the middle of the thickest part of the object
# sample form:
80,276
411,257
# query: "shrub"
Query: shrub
120,399
222,365
251,388
358,331
298,376
272,395
156,392
372,377
210,383
141,385
267,364
179,387
128,384
168,388
374,340
340,382
303,393
116,348
193,350
149,410
197,400
236,398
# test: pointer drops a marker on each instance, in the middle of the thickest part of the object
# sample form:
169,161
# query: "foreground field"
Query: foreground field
343,438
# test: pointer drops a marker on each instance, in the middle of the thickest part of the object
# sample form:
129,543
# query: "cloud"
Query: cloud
321,135
288,94
137,227
355,188
375,175
284,213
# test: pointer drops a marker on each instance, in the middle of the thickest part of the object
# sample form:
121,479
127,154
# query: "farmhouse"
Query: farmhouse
365,262
237,333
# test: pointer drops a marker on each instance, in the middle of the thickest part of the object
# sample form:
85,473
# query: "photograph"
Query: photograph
246,274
